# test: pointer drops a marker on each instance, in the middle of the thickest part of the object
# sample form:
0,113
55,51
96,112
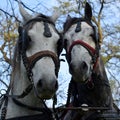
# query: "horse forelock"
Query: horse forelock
37,18
74,20
43,16
68,23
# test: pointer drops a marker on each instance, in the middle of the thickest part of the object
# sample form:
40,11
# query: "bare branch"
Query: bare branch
99,24
6,13
3,83
100,11
25,6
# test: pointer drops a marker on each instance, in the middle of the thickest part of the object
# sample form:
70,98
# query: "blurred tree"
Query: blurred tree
106,17
8,37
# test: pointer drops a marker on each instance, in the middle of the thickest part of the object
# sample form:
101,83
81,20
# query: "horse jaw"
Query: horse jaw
80,54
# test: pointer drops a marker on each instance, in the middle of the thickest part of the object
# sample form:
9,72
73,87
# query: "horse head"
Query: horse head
81,44
39,46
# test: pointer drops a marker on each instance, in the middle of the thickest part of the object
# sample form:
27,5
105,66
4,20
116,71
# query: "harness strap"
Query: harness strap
6,96
38,19
30,107
23,94
93,52
46,53
43,110
5,102
47,32
33,117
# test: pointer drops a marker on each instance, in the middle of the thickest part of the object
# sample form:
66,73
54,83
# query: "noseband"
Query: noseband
93,52
39,55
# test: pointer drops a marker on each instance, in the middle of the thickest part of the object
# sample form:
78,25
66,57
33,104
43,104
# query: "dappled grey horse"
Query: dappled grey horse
89,86
35,69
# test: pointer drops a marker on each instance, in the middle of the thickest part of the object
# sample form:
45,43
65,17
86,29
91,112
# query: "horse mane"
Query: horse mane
100,69
73,21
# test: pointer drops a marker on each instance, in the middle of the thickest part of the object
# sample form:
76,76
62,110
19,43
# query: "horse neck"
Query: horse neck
19,83
101,89
100,69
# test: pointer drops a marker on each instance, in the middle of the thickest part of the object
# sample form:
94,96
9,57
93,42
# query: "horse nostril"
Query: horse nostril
39,83
84,66
56,85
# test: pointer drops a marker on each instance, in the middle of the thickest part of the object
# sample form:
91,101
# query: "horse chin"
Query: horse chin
46,96
80,78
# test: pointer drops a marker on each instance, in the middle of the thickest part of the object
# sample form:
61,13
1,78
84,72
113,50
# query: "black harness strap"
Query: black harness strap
33,117
78,27
47,32
44,110
38,19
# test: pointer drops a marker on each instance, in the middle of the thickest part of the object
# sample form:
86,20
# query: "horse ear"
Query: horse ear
26,16
88,11
55,16
68,18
